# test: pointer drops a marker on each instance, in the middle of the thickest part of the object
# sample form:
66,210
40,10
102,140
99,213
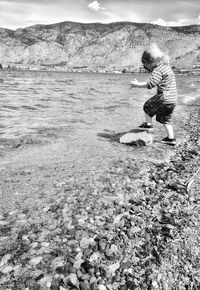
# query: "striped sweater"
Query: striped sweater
163,78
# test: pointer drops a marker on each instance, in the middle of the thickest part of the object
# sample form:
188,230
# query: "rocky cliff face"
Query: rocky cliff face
98,45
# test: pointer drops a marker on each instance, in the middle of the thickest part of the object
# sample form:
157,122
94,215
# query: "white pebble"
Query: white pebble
35,261
101,287
7,270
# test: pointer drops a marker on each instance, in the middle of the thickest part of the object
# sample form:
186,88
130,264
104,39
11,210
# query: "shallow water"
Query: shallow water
34,103
81,109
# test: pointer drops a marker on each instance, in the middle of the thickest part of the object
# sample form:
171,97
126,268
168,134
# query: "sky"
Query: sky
22,13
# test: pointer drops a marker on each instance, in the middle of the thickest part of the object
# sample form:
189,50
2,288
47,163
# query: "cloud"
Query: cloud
180,22
14,14
96,6
22,13
160,21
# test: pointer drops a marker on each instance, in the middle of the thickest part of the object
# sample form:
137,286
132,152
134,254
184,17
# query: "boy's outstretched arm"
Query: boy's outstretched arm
136,84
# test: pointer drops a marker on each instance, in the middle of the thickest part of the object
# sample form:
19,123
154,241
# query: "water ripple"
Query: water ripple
29,108
48,104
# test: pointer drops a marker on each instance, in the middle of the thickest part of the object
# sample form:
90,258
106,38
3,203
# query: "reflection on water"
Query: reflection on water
34,103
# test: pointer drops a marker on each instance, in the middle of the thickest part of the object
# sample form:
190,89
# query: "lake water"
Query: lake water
34,103
50,106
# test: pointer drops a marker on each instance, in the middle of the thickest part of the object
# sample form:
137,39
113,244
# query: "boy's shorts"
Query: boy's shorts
155,106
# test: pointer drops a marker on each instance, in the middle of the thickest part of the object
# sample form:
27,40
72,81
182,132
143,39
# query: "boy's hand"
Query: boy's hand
134,83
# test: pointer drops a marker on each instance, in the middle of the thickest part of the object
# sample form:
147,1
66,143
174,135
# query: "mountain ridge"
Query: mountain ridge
96,45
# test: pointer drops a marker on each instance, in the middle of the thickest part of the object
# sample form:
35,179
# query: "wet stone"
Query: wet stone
101,287
86,265
85,277
7,270
93,286
73,280
123,287
87,252
110,254
61,269
55,284
5,259
84,285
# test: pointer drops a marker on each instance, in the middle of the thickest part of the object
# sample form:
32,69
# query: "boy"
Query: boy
163,103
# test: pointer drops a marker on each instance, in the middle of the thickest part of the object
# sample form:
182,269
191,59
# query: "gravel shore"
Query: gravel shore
133,225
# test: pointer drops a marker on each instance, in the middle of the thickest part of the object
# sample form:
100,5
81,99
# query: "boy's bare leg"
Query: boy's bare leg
148,119
169,130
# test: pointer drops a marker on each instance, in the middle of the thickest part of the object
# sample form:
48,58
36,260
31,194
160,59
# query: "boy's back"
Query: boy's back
163,77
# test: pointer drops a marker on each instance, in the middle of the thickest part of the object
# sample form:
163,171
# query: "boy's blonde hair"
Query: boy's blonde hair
154,55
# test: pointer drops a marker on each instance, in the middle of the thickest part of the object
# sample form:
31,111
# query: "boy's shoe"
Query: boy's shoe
169,141
145,126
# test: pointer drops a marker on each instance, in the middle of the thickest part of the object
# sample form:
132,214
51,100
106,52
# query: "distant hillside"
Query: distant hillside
95,45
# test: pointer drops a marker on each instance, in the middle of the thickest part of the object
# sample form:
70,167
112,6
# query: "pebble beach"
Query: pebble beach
131,225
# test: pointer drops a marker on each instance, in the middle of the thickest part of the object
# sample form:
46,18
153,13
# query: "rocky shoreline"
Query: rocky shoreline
122,229
195,71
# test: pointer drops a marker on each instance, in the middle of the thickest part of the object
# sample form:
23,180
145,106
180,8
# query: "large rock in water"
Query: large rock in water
137,139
